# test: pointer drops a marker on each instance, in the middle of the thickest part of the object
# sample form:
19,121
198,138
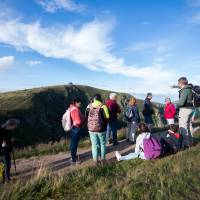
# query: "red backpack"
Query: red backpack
95,120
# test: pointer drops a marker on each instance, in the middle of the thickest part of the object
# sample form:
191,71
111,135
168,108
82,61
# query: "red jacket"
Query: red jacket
77,117
114,109
170,111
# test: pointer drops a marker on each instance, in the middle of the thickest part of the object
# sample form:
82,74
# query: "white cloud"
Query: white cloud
54,5
34,62
6,62
89,45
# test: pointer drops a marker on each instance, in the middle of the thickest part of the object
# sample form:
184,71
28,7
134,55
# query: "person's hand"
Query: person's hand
4,144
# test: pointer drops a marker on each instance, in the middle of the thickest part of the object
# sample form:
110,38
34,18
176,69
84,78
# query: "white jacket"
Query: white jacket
139,147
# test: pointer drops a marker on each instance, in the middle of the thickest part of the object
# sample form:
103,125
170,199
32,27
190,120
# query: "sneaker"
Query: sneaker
118,156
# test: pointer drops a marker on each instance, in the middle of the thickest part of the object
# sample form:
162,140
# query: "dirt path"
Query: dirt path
60,163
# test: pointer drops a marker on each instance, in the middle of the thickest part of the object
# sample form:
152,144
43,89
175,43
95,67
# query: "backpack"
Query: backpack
66,120
129,114
152,148
95,120
196,96
171,142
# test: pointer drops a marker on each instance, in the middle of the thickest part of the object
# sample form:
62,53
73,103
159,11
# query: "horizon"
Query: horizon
138,47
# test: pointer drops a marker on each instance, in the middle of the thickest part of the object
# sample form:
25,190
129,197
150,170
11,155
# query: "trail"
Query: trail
60,163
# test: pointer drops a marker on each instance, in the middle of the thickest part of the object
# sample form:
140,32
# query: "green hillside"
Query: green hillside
175,177
40,110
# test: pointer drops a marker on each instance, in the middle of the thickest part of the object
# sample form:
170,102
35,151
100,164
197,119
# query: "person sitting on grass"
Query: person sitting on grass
146,148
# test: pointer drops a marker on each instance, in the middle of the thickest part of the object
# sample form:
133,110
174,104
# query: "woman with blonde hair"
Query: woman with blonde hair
133,119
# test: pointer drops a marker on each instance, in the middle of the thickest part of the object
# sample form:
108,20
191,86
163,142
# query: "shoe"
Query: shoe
115,143
73,162
132,142
110,141
118,156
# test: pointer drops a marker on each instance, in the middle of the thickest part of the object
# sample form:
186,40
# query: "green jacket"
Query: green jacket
185,97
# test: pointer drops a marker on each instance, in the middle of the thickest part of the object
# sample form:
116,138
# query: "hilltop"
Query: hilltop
40,110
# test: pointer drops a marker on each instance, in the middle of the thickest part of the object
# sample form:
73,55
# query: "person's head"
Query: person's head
143,128
11,124
167,100
182,82
97,97
77,102
132,101
149,96
113,96
174,128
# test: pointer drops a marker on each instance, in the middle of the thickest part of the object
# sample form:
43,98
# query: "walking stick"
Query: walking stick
14,162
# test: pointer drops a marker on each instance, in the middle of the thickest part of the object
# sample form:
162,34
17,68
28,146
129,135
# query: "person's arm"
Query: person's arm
118,109
137,145
106,112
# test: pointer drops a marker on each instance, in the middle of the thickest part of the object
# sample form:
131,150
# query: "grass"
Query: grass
175,177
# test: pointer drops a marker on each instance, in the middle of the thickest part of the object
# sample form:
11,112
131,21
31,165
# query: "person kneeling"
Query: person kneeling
147,147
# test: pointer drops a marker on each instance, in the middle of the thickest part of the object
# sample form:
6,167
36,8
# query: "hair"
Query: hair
183,80
173,128
76,100
11,122
97,97
143,128
167,98
132,101
112,95
149,94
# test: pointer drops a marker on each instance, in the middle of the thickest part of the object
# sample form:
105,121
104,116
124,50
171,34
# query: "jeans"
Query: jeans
98,141
132,128
134,155
185,125
7,163
75,137
112,128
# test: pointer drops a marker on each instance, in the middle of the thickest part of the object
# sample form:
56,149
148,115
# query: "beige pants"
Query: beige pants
131,131
185,124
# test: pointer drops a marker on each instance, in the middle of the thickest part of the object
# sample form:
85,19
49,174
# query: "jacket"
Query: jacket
147,109
185,97
136,115
104,113
5,136
114,109
77,117
170,111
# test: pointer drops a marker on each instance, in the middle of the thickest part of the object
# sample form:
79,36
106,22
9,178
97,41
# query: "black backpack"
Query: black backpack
129,114
196,96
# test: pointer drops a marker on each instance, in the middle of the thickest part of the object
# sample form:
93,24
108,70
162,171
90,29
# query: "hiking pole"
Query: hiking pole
14,162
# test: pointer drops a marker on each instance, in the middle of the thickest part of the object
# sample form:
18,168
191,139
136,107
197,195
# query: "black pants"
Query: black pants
7,163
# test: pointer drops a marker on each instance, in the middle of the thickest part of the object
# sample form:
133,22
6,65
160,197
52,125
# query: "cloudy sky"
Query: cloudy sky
132,46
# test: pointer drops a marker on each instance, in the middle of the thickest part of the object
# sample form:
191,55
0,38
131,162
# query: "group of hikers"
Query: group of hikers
102,123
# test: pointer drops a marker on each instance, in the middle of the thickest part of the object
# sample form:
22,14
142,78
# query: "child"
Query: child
133,118
143,148
170,111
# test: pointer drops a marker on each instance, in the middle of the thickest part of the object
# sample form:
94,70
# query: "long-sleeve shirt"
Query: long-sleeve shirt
114,109
139,142
77,117
185,97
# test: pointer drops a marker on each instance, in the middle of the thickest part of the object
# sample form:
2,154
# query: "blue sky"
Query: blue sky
132,46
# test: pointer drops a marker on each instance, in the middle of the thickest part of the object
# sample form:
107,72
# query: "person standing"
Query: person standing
133,118
148,111
6,146
97,114
77,119
186,110
170,111
114,110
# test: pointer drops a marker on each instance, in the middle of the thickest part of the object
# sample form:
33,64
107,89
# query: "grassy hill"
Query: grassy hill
40,110
175,177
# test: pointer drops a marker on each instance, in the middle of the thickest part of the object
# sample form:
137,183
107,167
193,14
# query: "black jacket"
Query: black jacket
147,109
6,136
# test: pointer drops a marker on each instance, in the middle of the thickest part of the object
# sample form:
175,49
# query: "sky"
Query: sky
134,46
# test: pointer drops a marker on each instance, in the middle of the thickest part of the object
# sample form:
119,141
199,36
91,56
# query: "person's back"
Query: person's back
114,109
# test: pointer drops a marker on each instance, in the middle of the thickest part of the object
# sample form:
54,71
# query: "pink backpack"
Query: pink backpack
152,148
95,121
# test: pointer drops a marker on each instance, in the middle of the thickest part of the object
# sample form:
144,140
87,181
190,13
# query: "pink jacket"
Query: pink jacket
170,111
77,117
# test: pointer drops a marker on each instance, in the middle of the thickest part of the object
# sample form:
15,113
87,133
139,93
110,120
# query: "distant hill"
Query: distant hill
40,110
